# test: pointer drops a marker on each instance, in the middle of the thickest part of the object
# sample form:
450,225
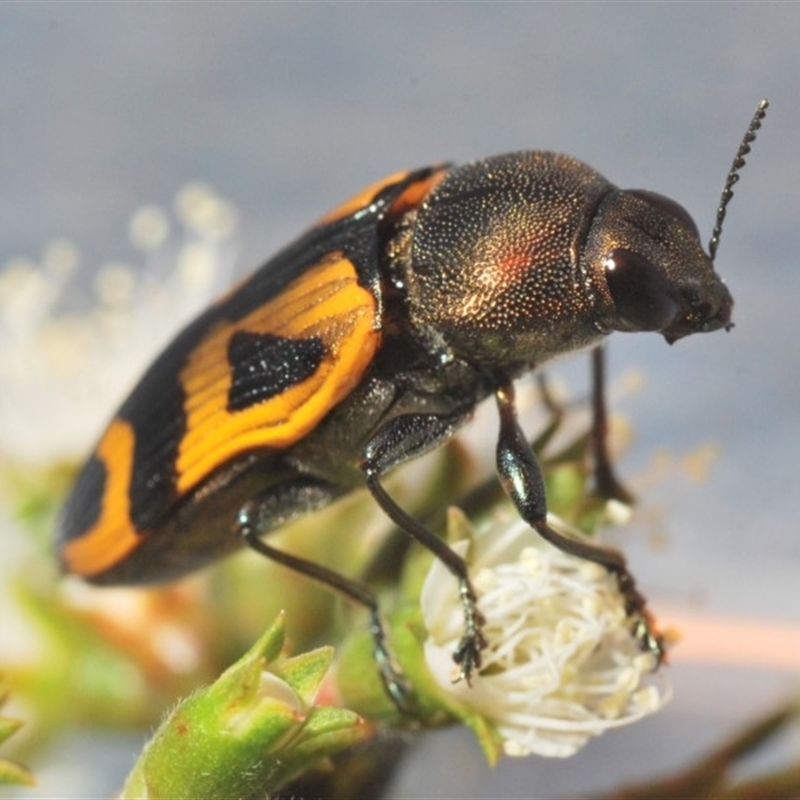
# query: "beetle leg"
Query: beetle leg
553,406
256,517
606,481
401,439
522,479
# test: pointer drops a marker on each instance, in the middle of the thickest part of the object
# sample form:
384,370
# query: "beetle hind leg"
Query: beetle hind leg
263,513
403,438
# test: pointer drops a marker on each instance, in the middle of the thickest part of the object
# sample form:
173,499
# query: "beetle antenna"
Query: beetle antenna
733,175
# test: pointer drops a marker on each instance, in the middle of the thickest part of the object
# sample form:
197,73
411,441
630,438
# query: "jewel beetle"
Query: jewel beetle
369,341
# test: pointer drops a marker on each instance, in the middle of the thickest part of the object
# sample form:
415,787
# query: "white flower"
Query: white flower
561,665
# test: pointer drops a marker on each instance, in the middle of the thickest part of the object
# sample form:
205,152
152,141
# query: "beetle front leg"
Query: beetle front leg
404,438
522,479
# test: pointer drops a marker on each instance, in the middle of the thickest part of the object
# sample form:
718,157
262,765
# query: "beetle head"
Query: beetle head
645,261
643,251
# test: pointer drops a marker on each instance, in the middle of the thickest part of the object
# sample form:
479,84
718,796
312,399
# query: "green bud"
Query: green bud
249,732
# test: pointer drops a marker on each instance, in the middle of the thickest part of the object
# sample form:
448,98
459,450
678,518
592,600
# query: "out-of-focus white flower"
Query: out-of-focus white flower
561,665
73,340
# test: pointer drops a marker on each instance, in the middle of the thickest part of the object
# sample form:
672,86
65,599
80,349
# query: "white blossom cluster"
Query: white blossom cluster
562,665
73,338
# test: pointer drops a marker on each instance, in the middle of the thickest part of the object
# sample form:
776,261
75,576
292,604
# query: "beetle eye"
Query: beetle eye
642,295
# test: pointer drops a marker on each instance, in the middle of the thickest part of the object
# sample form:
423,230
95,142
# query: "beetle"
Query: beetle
369,341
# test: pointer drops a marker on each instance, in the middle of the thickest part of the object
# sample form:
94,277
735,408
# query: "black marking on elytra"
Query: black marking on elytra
155,411
264,365
84,505
159,430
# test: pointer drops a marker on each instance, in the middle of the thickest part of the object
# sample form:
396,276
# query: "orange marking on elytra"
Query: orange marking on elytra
112,537
326,302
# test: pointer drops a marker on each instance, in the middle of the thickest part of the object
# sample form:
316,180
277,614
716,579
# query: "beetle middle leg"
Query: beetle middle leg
522,479
403,438
606,481
275,507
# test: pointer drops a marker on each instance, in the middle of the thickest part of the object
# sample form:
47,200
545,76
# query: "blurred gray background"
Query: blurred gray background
288,108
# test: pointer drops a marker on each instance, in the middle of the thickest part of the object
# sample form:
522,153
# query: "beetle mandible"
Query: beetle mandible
369,341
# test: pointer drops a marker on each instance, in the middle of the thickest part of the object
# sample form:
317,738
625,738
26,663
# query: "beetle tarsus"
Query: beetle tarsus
648,638
468,653
643,624
394,681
